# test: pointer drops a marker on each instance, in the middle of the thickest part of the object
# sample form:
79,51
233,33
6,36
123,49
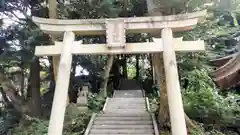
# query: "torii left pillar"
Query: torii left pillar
56,59
62,84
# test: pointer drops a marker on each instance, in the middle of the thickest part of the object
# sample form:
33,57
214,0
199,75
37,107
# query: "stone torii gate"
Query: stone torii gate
115,31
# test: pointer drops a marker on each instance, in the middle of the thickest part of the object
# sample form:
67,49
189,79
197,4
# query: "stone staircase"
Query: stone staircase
126,84
124,114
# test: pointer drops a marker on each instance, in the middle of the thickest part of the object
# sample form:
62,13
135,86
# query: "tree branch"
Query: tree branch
17,101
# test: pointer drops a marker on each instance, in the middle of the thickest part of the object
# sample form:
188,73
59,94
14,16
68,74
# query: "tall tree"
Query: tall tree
155,8
106,73
22,36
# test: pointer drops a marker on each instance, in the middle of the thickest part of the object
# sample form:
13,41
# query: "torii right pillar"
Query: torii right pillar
173,86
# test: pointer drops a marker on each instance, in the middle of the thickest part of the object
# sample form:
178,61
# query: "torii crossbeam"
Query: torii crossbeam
130,48
115,31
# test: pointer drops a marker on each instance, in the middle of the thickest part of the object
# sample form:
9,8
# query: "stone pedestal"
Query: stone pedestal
82,99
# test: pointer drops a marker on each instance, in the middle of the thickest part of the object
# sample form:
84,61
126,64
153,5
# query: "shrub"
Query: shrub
96,102
75,121
73,124
204,104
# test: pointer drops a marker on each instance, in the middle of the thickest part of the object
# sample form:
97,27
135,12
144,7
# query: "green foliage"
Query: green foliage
8,117
75,121
154,102
199,130
203,103
202,100
194,3
131,71
77,124
74,126
96,101
78,9
29,127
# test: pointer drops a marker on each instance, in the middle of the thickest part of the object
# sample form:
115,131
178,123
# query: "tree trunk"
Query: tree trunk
106,74
51,75
156,7
34,89
72,83
16,100
4,97
22,79
137,68
163,114
150,58
115,70
124,65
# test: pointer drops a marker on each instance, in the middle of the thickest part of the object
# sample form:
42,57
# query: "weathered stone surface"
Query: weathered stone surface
128,94
124,115
83,96
115,32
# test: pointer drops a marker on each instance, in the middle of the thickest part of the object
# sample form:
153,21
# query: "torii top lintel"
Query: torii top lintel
181,22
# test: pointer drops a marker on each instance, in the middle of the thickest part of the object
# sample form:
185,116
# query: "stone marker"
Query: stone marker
83,97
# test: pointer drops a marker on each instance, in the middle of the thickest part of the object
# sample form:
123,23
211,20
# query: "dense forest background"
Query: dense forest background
27,82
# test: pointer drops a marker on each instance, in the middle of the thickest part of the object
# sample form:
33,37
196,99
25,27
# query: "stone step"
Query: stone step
123,115
131,101
127,99
127,102
126,84
112,122
125,106
122,127
123,118
122,131
126,112
122,134
127,109
128,94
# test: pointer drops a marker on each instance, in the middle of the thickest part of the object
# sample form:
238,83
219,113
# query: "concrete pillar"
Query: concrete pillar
61,90
178,124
